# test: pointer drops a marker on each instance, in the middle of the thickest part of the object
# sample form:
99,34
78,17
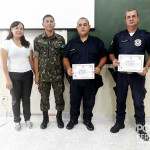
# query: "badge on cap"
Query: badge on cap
137,42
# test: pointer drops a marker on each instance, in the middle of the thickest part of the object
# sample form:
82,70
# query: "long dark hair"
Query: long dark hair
24,42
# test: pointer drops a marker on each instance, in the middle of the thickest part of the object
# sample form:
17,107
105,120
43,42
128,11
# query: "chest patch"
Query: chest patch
137,42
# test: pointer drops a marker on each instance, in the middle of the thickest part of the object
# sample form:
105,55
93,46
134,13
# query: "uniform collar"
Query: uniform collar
79,40
126,31
44,35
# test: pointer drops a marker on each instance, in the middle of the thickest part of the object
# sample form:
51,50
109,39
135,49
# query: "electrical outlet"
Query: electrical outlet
4,98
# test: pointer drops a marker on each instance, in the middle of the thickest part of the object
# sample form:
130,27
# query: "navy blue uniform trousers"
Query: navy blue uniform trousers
137,84
87,90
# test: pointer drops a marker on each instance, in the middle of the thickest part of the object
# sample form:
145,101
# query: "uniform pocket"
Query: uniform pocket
123,46
43,50
74,56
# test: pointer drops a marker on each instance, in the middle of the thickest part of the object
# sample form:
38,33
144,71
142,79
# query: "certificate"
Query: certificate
83,71
131,63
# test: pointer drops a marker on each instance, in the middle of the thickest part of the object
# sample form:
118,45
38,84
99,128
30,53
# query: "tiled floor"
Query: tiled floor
79,138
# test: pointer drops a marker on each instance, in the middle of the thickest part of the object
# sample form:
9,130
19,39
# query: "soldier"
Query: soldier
48,48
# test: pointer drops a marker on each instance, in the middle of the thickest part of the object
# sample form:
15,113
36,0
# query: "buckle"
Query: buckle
129,72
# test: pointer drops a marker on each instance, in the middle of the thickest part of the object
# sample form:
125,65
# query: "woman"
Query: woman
19,77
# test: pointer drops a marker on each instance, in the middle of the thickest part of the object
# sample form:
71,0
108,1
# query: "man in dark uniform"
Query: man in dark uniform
48,49
84,49
132,41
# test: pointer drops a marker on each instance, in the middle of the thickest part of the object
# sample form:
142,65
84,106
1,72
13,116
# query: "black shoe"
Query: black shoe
44,124
71,124
142,133
89,125
117,127
60,122
45,120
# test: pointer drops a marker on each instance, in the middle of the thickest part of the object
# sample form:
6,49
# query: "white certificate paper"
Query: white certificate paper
131,63
83,71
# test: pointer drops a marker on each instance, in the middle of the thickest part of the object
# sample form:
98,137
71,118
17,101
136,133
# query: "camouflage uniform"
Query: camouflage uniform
49,50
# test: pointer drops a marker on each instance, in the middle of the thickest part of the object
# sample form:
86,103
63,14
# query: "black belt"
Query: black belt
129,73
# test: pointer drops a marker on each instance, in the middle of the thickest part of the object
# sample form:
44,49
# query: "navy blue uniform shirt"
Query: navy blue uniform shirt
137,44
89,51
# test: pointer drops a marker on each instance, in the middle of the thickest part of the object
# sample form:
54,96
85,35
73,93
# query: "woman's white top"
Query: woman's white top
18,57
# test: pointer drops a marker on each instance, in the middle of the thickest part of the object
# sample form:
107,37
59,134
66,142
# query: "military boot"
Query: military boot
60,122
45,120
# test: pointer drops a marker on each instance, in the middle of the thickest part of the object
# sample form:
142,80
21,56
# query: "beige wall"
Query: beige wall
105,98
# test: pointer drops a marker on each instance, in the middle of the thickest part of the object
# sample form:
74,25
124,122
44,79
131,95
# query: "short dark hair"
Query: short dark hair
83,18
132,9
48,16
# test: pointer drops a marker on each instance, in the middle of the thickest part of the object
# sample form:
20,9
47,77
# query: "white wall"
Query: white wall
32,12
105,98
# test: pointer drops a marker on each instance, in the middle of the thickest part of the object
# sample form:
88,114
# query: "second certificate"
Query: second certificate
131,63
